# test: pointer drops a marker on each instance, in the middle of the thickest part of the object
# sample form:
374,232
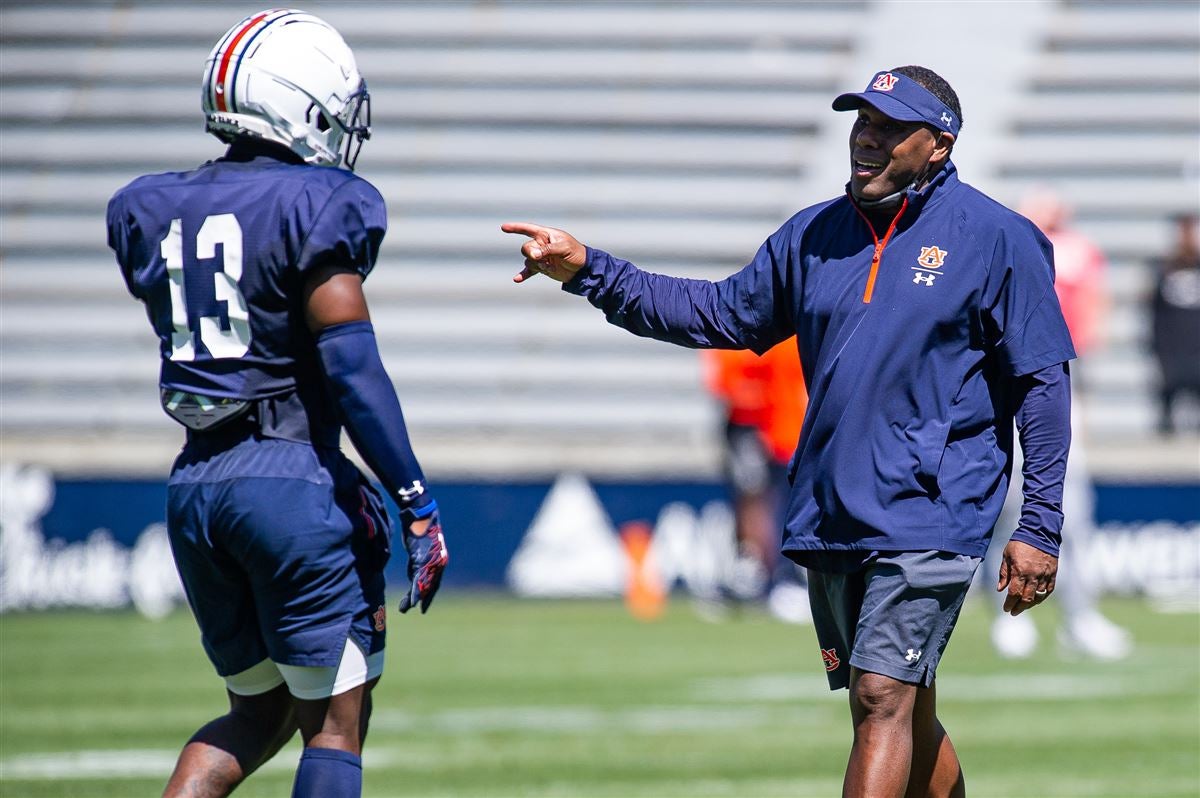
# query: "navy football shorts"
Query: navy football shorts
891,616
277,544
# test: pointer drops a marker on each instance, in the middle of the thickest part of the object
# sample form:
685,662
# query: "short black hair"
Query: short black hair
935,84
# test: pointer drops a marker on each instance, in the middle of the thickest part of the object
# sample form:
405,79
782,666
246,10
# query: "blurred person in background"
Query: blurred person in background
926,320
251,269
763,399
1080,281
1175,319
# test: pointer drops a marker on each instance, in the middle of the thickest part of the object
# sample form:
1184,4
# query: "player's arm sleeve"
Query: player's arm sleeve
370,409
1024,324
343,228
748,310
1044,425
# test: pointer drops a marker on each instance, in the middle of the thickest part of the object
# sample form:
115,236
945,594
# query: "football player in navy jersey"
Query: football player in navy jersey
250,268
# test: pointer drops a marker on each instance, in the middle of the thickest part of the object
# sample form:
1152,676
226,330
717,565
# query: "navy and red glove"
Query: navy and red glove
427,556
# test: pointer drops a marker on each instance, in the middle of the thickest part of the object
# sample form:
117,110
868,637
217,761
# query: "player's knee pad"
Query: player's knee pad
356,668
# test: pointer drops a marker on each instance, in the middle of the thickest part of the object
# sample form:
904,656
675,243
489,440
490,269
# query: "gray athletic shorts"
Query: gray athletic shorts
892,616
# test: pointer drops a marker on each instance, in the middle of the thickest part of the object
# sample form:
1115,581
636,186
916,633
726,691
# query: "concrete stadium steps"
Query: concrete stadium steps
669,134
443,148
605,436
1111,120
533,335
1122,25
415,237
1055,155
476,64
683,193
714,108
1136,111
1067,68
557,368
1129,196
484,193
675,135
466,453
507,328
810,25
43,278
542,413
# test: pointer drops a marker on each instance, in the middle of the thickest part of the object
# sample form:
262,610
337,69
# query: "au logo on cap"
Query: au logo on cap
885,82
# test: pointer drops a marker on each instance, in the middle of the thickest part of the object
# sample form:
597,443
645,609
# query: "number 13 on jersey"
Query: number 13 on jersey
221,343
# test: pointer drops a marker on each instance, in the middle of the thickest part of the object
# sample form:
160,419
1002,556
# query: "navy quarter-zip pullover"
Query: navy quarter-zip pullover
912,346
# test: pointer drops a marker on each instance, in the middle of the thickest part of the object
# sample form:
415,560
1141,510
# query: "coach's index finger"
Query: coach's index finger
549,251
527,229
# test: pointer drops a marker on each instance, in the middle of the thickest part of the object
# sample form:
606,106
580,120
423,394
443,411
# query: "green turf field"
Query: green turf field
489,696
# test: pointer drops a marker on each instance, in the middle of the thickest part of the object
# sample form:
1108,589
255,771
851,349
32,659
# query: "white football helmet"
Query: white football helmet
288,77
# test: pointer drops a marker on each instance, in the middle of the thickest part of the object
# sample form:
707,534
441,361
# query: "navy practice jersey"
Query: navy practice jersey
218,255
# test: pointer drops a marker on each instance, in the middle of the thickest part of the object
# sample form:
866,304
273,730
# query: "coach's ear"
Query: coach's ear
943,145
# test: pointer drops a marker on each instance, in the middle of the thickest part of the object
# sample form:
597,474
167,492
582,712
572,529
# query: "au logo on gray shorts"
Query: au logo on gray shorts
892,616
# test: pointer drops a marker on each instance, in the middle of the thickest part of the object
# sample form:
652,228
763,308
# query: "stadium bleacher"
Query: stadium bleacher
676,135
1111,120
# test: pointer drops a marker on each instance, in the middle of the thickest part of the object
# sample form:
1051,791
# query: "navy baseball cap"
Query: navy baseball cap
902,98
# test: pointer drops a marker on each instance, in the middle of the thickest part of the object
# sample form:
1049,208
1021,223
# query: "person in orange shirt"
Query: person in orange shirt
764,401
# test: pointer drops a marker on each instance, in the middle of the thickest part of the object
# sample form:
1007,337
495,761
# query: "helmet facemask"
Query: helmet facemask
355,124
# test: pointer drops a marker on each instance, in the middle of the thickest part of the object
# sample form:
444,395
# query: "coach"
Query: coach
926,320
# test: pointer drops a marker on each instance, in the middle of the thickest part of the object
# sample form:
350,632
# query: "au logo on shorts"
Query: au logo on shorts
885,82
380,617
832,663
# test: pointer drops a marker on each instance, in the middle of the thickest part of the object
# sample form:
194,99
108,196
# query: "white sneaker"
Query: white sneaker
789,603
746,579
1014,636
1092,635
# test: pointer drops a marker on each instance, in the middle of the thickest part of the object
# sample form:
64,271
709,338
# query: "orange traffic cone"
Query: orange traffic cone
645,596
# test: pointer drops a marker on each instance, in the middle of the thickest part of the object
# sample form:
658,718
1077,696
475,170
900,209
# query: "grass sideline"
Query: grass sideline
491,696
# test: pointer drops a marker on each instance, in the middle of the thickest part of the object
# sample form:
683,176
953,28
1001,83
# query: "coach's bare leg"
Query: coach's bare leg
936,772
227,750
339,722
882,711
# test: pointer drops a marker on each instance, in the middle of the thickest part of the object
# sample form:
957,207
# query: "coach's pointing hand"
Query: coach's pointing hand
554,253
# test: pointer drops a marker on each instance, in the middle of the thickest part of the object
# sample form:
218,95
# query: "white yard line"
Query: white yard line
770,691
130,763
88,764
579,719
781,687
